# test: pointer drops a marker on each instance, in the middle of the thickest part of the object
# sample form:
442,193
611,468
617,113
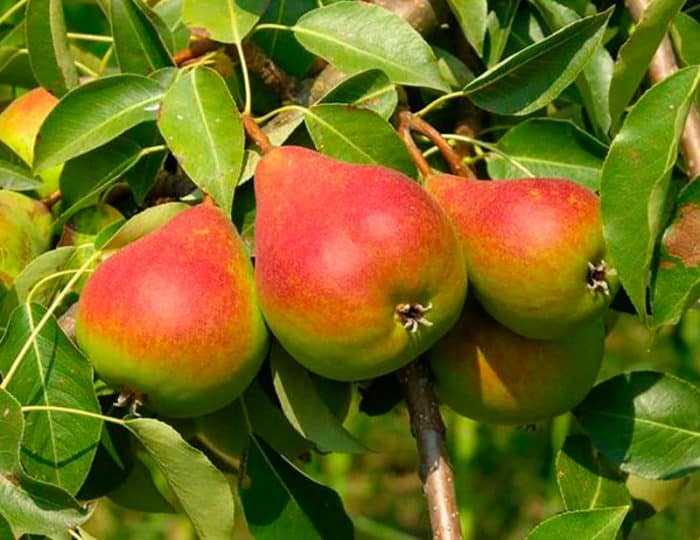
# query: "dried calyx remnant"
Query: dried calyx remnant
597,277
130,398
413,315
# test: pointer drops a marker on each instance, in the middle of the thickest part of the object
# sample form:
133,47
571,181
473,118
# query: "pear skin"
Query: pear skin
358,269
534,250
174,316
486,372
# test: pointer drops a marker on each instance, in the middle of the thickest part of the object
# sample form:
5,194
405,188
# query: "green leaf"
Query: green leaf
357,136
225,433
355,36
685,33
139,225
305,409
647,422
94,114
594,81
636,53
15,68
534,76
677,283
47,44
596,524
471,16
585,481
200,488
12,424
365,90
498,26
280,501
636,176
549,148
57,447
228,21
139,492
17,177
202,127
137,44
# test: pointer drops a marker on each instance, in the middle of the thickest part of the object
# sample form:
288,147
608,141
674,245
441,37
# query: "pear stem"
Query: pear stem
52,199
256,134
195,50
429,430
404,129
662,65
449,153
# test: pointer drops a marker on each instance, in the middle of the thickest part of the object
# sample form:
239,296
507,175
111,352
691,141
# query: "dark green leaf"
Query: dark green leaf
531,78
471,17
678,276
94,114
280,501
11,429
15,68
228,21
137,44
585,481
636,53
17,177
647,422
366,90
549,148
636,176
685,32
139,492
357,136
225,433
47,44
57,447
200,488
305,409
355,36
597,524
498,27
202,127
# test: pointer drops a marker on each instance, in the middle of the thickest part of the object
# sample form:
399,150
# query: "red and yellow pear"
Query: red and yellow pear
486,372
533,248
174,316
358,269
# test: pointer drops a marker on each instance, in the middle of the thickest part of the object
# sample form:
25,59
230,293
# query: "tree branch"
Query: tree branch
429,430
404,129
663,65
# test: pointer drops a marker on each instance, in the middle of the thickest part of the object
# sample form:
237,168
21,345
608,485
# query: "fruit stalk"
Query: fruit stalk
664,64
429,430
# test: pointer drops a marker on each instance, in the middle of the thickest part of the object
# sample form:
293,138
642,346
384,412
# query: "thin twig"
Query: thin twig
195,50
452,158
404,129
664,64
52,199
436,471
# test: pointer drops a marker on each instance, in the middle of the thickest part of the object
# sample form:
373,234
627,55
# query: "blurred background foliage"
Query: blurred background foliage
505,476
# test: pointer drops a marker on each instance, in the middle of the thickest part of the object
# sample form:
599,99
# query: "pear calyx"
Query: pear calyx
412,315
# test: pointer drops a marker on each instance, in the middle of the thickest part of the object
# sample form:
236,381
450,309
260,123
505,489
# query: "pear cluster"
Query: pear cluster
358,271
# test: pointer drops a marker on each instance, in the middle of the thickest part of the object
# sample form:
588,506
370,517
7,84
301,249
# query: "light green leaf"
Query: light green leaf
356,36
685,32
139,225
228,21
17,177
202,127
366,90
498,27
471,16
596,524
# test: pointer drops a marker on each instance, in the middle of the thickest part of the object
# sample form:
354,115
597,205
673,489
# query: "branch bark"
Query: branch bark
663,65
436,471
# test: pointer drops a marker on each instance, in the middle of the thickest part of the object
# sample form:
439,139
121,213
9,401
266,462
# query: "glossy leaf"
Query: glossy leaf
200,488
357,136
94,114
471,16
280,501
596,524
12,424
366,90
636,176
47,43
139,225
355,36
585,481
636,53
57,447
137,45
17,177
305,409
647,422
228,21
685,32
677,281
202,127
533,77
548,148
498,28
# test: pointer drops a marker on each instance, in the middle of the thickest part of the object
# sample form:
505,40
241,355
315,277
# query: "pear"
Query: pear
358,269
174,316
19,126
488,373
25,233
534,250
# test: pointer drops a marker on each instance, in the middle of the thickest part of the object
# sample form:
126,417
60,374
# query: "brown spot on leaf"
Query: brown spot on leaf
682,240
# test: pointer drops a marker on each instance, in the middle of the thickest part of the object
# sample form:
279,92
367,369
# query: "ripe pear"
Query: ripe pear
534,250
486,372
174,316
25,233
19,126
358,269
